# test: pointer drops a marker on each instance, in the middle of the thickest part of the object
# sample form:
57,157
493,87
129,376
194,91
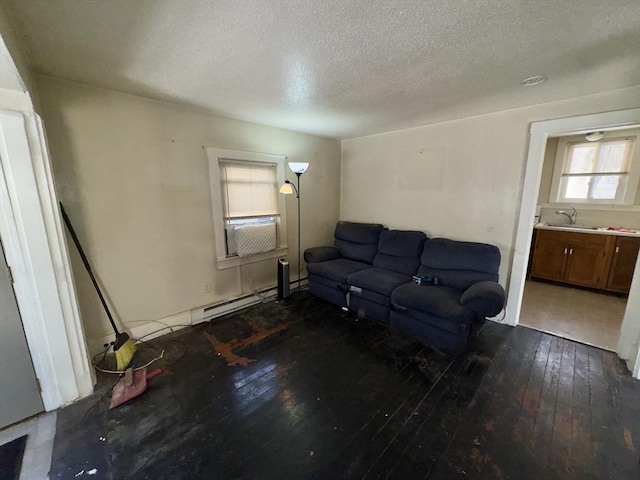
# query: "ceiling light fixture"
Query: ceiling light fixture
594,136
535,80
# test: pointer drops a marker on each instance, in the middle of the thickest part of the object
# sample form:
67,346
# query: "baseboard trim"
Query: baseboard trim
188,318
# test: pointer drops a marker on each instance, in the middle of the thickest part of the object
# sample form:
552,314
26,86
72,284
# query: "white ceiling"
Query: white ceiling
339,68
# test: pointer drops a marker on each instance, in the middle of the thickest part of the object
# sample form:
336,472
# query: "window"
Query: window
250,206
248,213
596,172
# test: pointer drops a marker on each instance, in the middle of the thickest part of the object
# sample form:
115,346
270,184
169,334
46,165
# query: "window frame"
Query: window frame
214,155
625,198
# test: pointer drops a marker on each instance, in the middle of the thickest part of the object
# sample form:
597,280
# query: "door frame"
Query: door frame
36,251
539,132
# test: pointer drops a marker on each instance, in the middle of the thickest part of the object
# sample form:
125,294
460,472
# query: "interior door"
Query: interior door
19,392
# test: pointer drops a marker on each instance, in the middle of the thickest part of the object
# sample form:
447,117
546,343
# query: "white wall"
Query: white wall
133,176
461,179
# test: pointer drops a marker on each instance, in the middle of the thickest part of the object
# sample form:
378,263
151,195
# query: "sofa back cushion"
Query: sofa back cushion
399,251
459,264
358,241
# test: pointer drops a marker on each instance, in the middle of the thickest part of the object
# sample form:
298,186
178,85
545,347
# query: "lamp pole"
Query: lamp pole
299,259
288,188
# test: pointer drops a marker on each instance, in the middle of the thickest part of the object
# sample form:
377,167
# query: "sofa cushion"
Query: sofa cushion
377,280
399,251
459,264
320,254
358,241
434,300
337,270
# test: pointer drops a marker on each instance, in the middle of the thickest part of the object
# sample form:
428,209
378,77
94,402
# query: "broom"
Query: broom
123,346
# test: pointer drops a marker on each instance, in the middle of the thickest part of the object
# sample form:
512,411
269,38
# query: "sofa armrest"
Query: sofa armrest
321,254
485,298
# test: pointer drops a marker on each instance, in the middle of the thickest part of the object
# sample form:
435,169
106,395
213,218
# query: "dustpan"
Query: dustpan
133,383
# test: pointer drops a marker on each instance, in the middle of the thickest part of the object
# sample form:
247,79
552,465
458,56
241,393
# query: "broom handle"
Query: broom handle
88,267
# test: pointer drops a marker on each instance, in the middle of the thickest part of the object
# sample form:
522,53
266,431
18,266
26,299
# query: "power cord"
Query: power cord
140,340
504,316
120,372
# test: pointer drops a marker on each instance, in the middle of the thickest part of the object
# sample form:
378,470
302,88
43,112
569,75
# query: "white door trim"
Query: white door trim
539,132
37,253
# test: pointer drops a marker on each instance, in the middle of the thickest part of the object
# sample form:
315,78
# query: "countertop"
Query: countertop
599,231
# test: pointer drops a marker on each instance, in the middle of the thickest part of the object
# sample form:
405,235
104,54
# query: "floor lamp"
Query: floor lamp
289,189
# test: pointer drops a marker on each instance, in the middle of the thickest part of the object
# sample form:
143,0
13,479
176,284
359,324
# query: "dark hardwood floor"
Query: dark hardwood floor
301,390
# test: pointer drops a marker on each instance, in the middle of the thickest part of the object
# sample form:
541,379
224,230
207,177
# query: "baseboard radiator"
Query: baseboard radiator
204,314
157,328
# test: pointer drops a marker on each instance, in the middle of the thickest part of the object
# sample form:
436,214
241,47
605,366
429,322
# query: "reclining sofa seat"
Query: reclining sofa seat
448,315
356,245
398,258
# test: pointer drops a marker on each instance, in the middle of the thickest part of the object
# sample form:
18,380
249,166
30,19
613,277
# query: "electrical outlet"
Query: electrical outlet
208,288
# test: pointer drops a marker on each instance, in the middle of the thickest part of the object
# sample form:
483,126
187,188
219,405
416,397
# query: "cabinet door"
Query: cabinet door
588,259
549,256
623,264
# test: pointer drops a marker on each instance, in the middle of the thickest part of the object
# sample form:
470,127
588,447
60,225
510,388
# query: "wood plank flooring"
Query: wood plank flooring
324,395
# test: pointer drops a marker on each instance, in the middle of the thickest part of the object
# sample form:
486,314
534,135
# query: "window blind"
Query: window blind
249,189
601,158
595,171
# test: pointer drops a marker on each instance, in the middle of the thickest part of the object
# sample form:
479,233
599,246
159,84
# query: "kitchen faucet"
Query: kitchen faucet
572,217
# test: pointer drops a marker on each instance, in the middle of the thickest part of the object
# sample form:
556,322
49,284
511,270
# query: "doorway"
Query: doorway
604,257
627,347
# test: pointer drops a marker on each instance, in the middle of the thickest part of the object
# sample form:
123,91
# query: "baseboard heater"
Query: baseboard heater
216,310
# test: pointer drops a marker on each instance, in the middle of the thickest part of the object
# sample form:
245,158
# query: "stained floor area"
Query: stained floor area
582,315
301,390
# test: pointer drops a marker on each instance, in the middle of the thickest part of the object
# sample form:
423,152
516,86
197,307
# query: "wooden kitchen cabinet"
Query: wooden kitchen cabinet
588,260
623,262
549,256
572,257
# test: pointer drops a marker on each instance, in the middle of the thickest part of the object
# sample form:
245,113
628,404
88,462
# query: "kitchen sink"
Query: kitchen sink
568,225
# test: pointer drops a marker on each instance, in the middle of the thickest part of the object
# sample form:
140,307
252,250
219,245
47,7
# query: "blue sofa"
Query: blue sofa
369,271
355,247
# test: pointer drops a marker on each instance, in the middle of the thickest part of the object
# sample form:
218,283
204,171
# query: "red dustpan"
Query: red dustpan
133,383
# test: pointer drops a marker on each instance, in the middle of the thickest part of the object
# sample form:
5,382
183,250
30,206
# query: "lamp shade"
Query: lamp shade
298,167
287,189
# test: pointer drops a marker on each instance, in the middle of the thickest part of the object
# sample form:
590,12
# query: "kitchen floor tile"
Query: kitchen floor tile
582,315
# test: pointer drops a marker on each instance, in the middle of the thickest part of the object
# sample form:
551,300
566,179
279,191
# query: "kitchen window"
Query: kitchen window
596,172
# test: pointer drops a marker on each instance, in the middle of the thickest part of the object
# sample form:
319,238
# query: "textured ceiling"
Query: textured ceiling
339,68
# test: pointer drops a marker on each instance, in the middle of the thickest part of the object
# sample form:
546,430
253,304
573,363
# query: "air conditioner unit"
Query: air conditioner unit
251,238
